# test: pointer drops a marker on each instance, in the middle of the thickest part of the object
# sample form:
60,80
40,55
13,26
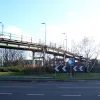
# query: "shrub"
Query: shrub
35,70
16,69
12,69
3,69
49,69
29,70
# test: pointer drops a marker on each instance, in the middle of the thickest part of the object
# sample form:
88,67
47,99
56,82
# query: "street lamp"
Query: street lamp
2,35
2,27
66,40
44,50
45,32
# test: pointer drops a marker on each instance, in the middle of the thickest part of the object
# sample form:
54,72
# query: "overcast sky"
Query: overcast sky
77,18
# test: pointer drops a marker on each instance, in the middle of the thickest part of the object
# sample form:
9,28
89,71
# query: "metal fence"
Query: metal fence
30,39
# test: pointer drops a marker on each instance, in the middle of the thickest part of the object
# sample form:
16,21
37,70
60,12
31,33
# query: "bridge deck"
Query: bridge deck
37,47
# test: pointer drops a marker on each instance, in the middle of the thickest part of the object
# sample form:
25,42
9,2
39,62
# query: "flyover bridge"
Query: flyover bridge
20,42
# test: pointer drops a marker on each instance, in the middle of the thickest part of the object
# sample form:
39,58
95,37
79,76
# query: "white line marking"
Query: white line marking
36,94
17,87
53,84
6,93
96,83
98,95
72,95
78,87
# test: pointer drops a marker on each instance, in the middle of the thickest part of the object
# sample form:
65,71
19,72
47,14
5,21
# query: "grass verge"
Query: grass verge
57,75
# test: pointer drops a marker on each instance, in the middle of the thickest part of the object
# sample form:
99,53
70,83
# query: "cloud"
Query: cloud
17,33
53,34
14,30
76,26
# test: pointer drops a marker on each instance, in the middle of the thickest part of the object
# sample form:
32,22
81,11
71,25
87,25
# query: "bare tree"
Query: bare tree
87,49
12,57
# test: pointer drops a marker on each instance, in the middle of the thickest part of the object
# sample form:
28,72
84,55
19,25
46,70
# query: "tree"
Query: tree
12,57
86,48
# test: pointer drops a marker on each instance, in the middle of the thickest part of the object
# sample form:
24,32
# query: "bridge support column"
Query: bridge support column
44,59
65,64
64,59
54,62
33,59
2,63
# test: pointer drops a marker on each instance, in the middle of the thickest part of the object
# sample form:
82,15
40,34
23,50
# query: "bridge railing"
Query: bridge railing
23,38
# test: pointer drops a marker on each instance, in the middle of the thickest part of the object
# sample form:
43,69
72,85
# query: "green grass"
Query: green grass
79,75
87,75
11,74
57,75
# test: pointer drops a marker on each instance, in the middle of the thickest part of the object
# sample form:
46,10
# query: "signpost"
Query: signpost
70,66
71,62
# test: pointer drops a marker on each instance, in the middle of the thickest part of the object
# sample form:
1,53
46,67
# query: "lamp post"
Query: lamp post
66,48
66,40
2,35
44,49
2,27
63,45
45,32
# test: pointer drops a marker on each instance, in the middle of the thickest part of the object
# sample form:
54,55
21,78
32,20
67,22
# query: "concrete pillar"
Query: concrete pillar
65,59
2,63
33,59
54,63
44,60
43,57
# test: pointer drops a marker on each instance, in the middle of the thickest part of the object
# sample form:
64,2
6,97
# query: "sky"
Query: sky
76,18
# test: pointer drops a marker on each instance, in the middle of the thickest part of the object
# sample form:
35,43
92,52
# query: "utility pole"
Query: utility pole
66,40
44,49
2,35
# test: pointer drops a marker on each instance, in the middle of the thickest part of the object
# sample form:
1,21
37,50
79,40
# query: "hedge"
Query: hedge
3,69
27,70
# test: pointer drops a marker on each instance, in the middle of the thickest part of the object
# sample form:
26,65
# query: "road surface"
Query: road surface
50,90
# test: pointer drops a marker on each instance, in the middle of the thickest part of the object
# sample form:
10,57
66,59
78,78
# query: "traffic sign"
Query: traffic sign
56,68
71,61
75,68
60,68
81,68
78,68
64,68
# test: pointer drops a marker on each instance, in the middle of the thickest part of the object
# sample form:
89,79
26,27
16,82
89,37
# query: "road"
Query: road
50,90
